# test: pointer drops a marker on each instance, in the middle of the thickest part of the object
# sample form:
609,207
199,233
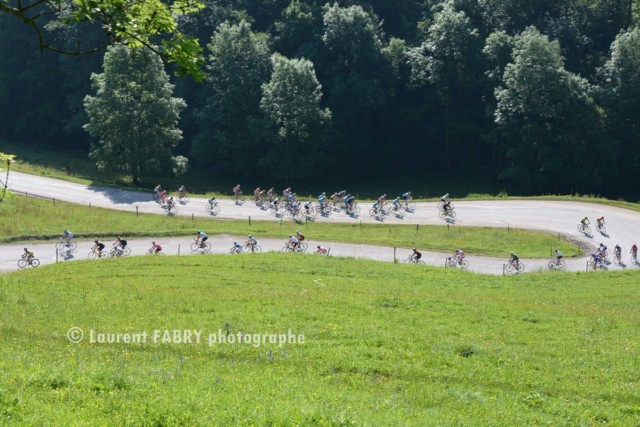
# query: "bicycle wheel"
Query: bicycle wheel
509,267
207,246
195,247
254,249
35,262
285,249
373,212
520,267
184,199
22,263
561,264
552,265
355,210
303,246
464,264
126,251
411,204
173,209
59,246
92,255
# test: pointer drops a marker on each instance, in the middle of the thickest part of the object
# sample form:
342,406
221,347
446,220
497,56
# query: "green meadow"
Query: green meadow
384,344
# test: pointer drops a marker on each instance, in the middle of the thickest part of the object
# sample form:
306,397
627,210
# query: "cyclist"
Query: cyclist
121,242
237,191
182,191
67,236
271,193
602,251
381,200
251,242
396,203
617,252
600,222
275,202
201,237
162,195
407,196
257,192
28,255
98,247
212,202
376,206
170,203
559,255
158,189
236,248
416,255
459,255
595,258
299,235
155,248
293,243
446,206
444,198
348,201
322,250
634,252
585,221
307,207
286,192
514,259
322,199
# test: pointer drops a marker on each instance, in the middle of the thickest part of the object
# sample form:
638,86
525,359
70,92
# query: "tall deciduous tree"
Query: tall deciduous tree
133,114
551,128
291,103
239,64
622,98
449,59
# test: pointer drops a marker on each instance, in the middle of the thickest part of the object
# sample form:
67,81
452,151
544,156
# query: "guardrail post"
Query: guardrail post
178,248
137,212
249,220
504,268
394,255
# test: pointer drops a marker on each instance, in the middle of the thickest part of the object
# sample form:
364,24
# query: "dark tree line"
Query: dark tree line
542,96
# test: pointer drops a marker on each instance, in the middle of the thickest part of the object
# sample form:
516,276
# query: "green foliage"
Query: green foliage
133,114
542,150
384,344
291,103
238,65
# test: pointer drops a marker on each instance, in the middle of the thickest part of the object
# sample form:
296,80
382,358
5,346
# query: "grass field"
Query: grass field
39,218
384,344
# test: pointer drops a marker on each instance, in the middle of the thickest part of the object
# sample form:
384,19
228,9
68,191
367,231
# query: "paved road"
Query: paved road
623,225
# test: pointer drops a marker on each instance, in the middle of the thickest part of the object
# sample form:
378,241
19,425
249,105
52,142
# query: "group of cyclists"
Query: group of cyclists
599,257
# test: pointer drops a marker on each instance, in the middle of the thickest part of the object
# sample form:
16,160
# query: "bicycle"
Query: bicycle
290,248
516,267
171,209
441,206
617,258
95,254
453,262
213,207
252,248
584,228
409,205
601,228
125,251
235,250
556,264
152,252
200,247
62,244
239,198
634,258
183,197
23,262
413,260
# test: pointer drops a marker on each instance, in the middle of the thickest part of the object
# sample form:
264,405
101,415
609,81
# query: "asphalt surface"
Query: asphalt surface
558,217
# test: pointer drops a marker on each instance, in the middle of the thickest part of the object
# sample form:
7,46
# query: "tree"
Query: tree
551,129
449,59
291,103
238,64
133,114
622,100
148,23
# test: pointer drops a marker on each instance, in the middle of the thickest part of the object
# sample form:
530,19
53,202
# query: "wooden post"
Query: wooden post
249,220
394,255
178,248
137,213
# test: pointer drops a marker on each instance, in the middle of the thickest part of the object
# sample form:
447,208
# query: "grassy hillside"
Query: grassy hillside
40,218
384,344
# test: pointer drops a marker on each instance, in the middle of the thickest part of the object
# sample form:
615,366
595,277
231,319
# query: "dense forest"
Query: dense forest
542,96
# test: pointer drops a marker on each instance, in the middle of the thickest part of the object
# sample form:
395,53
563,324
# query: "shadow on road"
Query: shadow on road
121,196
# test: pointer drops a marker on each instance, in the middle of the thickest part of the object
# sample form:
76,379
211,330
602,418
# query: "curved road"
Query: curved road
560,217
